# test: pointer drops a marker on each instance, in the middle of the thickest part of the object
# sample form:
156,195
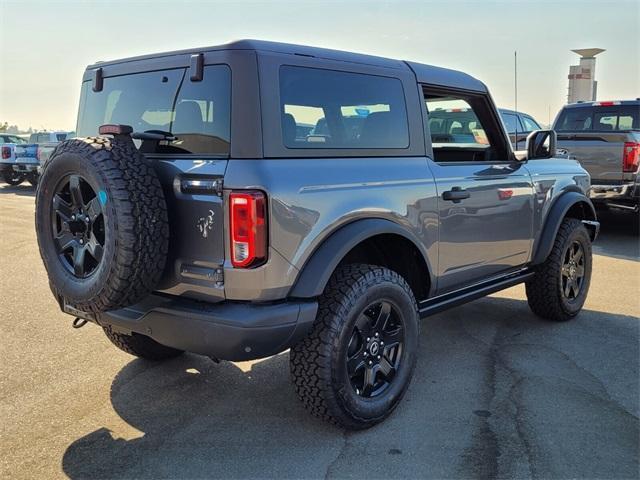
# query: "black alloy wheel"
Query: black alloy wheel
573,271
375,349
559,287
13,178
78,225
355,364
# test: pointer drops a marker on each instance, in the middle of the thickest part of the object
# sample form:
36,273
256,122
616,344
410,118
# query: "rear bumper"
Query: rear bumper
625,195
26,167
228,330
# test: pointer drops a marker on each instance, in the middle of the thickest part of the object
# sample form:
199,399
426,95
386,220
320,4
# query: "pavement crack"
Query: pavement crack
339,456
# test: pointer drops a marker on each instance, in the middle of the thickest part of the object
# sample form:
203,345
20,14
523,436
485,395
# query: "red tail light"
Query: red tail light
6,153
630,157
248,222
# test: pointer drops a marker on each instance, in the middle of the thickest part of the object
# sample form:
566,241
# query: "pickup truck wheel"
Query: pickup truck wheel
101,224
560,285
13,178
141,345
355,365
33,178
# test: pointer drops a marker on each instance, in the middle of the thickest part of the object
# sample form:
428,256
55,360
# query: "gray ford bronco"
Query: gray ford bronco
241,200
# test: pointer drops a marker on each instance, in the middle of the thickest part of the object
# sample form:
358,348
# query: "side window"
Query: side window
459,123
512,123
465,129
332,109
530,124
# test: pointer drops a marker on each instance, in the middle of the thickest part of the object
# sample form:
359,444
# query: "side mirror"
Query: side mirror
541,144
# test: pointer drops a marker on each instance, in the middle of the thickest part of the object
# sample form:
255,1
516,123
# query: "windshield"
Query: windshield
12,139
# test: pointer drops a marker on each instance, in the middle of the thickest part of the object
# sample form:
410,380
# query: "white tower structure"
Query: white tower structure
582,84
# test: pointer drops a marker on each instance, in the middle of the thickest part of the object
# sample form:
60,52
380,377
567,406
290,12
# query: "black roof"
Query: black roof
424,73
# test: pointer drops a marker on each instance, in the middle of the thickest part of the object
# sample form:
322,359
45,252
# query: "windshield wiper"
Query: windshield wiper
157,135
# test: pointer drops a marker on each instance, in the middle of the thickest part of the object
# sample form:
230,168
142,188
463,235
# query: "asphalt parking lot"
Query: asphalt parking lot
497,393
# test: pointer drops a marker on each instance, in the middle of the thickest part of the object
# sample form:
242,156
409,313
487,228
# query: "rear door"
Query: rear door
195,116
485,197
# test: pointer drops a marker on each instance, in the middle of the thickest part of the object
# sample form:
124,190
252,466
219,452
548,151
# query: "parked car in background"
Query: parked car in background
459,124
8,143
605,138
30,155
518,126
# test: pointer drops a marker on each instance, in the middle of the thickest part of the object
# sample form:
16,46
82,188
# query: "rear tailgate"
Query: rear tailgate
45,150
193,191
26,153
190,162
600,153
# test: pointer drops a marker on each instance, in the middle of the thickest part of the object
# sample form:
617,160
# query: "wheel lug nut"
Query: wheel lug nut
81,241
86,219
368,338
377,334
378,357
73,217
370,362
382,344
365,354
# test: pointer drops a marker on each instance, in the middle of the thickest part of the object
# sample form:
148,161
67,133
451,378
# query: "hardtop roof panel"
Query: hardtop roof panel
446,78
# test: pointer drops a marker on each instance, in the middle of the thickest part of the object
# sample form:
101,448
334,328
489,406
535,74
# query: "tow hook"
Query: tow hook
79,322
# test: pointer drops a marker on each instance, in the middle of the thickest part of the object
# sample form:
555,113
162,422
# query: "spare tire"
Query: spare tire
101,223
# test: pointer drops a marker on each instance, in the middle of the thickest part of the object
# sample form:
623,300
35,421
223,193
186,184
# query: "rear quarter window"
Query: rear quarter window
333,109
196,113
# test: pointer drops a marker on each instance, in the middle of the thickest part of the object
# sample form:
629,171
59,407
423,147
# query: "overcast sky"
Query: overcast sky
45,46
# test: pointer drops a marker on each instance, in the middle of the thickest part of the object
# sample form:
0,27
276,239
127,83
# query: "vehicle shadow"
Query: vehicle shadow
497,393
619,235
24,189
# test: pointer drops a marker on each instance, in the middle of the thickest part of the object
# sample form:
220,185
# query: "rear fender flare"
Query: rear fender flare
316,272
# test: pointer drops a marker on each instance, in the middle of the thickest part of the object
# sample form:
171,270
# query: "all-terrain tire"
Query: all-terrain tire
13,178
545,289
141,345
318,362
33,179
136,230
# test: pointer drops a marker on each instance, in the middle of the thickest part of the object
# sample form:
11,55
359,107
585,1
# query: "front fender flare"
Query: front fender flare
316,272
554,219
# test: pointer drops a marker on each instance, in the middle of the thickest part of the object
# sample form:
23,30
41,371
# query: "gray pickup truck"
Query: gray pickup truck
250,198
605,138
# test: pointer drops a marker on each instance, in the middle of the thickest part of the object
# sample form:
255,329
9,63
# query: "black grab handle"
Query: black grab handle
456,194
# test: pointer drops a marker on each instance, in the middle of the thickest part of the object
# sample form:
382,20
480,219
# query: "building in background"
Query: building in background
582,84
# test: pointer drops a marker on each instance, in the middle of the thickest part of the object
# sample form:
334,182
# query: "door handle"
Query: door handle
456,194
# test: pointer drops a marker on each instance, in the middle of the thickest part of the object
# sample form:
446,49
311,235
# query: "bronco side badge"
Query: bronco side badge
205,224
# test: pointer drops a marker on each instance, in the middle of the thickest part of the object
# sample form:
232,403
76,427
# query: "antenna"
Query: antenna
515,86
